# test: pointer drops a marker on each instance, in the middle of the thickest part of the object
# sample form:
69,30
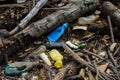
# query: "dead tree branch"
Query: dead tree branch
30,15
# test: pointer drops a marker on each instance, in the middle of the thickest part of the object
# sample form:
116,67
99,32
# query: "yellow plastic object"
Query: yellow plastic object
56,56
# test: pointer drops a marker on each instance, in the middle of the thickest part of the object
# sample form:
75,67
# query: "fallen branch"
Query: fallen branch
111,10
56,19
30,15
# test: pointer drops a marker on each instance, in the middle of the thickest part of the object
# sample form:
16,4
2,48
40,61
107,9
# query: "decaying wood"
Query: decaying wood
63,71
30,15
111,10
56,19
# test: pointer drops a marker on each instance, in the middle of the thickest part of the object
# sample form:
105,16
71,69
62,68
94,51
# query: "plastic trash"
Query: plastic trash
55,45
41,53
57,33
18,67
103,53
24,74
35,78
56,56
31,57
70,44
80,46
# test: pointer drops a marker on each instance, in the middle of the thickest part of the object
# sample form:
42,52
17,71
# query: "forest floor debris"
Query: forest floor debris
88,49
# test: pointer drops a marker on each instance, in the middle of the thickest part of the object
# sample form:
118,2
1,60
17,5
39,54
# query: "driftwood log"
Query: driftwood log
36,29
56,19
108,9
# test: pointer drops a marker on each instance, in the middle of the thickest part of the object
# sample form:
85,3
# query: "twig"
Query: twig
111,29
83,62
49,72
75,77
115,66
110,65
97,71
105,59
12,5
61,74
112,59
30,15
53,8
77,58
114,69
116,51
88,59
88,52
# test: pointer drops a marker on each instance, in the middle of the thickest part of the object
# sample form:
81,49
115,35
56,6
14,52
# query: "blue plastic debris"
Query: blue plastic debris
16,68
55,45
31,57
57,33
24,74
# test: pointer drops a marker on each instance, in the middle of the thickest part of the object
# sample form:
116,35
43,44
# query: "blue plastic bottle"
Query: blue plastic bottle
57,33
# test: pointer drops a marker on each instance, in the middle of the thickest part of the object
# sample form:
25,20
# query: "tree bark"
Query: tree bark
111,10
54,20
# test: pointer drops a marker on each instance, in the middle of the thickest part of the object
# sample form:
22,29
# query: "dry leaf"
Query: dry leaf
90,76
102,67
112,47
82,73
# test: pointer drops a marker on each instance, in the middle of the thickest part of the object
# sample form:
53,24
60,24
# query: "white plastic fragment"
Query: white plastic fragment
45,58
102,54
34,78
80,27
112,47
97,12
71,45
24,74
